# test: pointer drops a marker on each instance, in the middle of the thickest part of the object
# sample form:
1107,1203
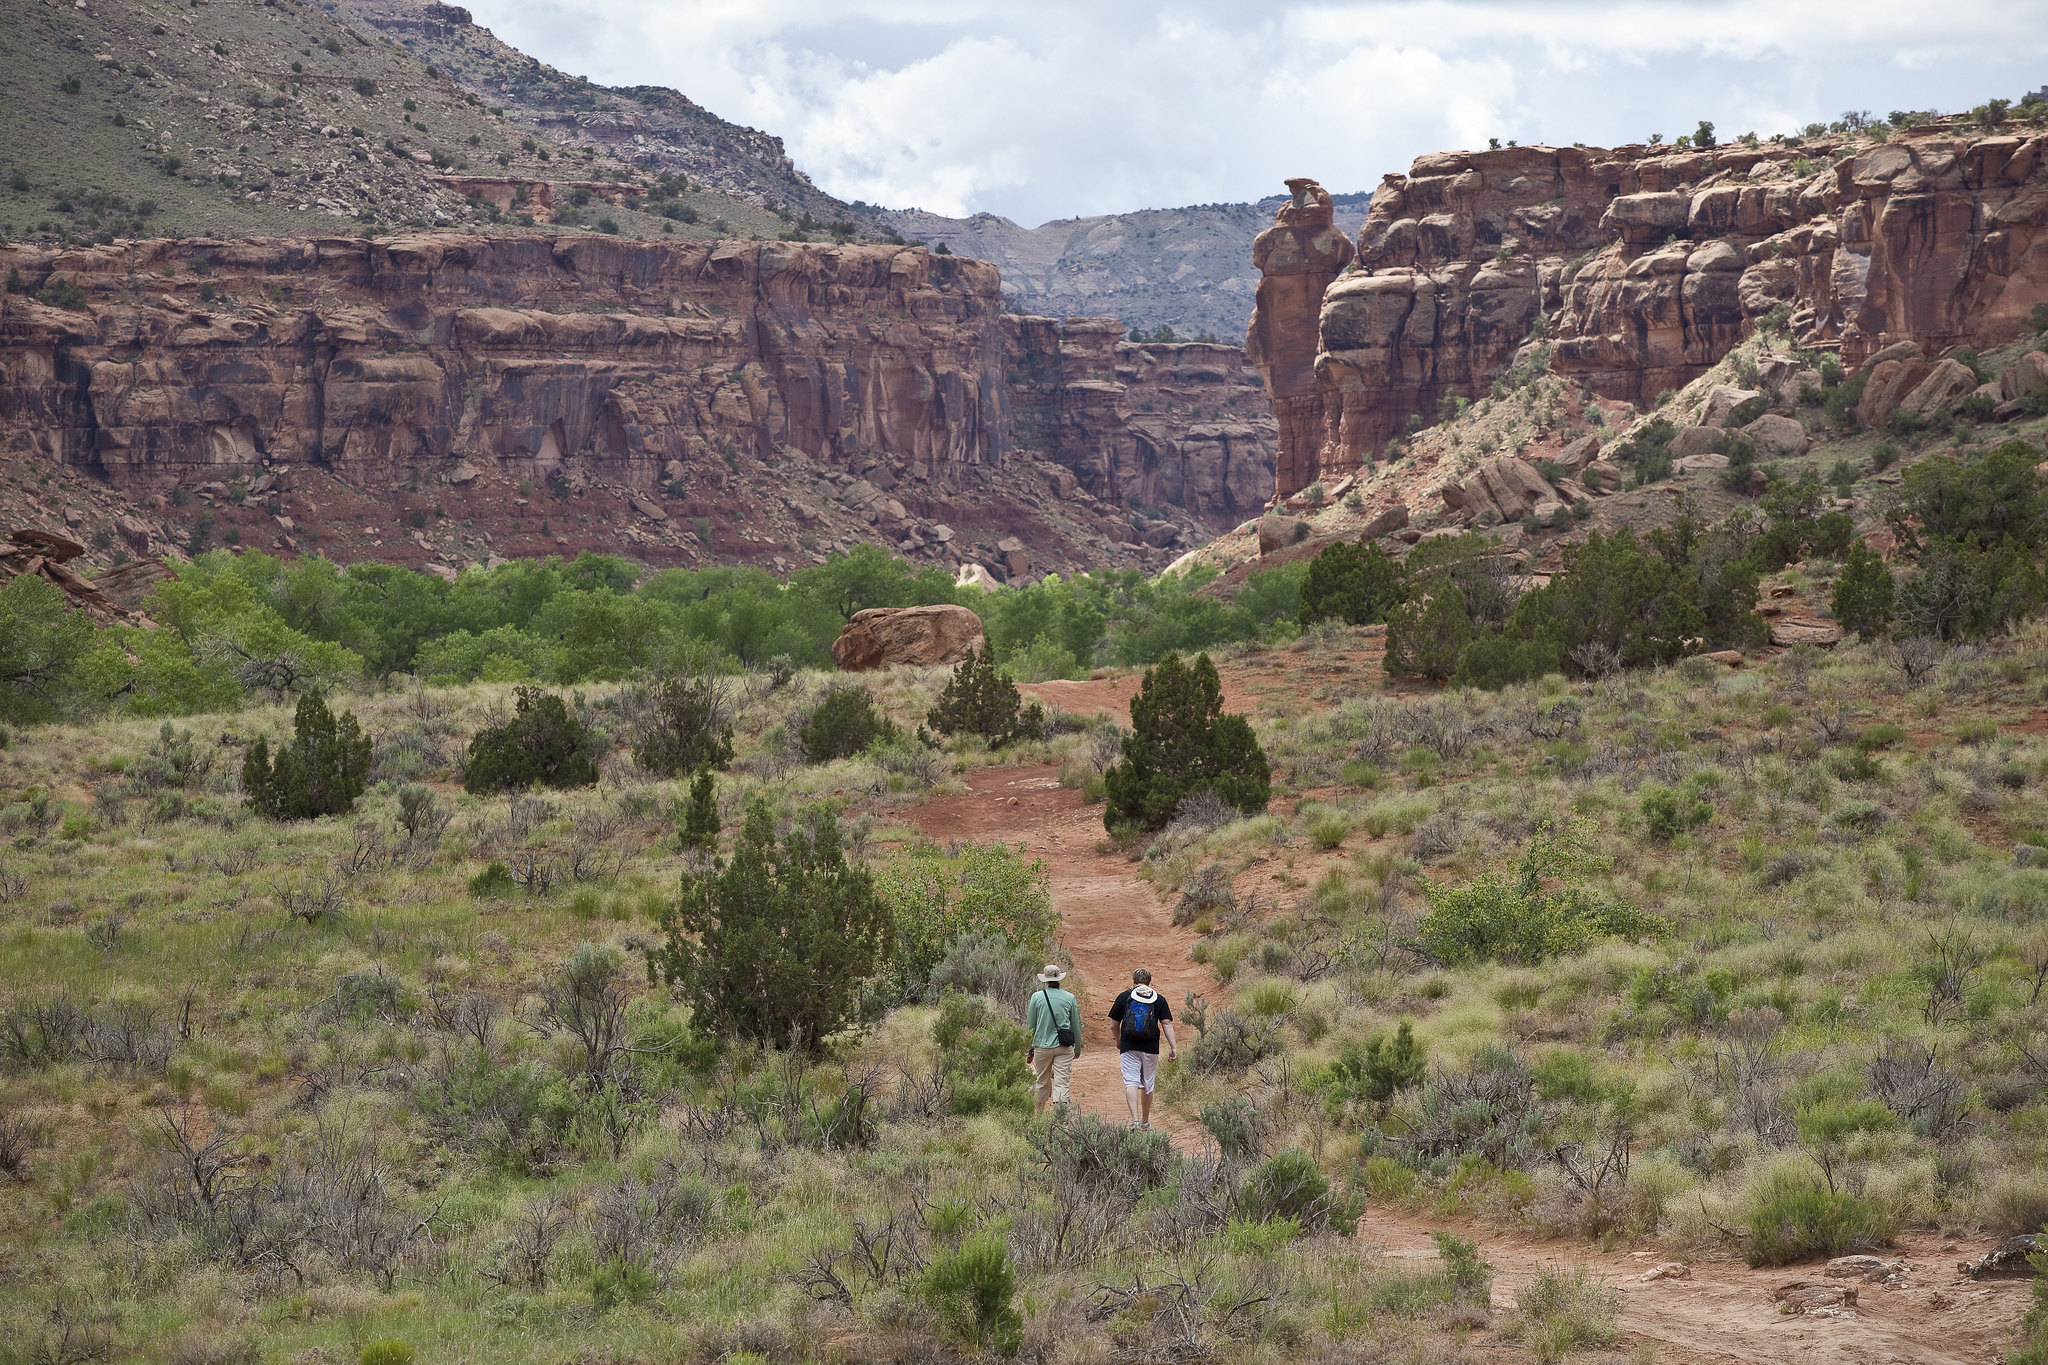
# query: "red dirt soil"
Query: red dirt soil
1724,1311
1110,920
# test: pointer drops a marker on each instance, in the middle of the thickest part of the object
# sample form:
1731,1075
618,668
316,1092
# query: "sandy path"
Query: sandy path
1726,1312
1110,920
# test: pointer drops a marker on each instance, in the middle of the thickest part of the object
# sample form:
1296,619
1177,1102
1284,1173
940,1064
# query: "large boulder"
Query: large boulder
1277,532
1692,441
1722,400
1943,390
1385,523
1773,434
881,636
1579,454
1889,382
1504,489
2023,376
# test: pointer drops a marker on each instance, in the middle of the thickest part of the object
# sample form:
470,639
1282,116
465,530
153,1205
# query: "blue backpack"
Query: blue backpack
1141,1017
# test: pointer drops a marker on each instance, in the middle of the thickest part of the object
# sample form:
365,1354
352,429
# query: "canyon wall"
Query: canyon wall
1163,424
1639,267
787,399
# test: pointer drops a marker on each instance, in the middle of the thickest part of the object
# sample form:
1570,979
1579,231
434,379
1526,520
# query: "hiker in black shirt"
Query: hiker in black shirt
1142,1014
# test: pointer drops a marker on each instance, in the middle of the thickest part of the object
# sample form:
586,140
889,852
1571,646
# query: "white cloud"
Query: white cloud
1067,107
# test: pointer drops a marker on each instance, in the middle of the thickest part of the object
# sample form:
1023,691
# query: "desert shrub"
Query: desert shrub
1863,593
1237,1125
541,745
983,1055
494,881
781,943
385,1353
686,724
1482,1113
1670,811
842,724
1469,1276
1181,743
989,964
516,1116
972,1293
1350,583
1648,451
936,896
321,772
980,701
1516,919
1567,1309
1234,1041
1805,1222
1377,1074
1288,1187
1109,1158
700,824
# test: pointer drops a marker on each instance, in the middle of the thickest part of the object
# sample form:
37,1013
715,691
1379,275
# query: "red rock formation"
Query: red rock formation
1297,258
1645,266
881,636
1167,424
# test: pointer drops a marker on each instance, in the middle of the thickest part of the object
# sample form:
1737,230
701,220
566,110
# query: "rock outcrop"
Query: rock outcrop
881,636
1637,268
1298,258
44,554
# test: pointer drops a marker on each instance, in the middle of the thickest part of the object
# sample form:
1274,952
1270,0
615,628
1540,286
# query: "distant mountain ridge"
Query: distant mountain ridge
1186,268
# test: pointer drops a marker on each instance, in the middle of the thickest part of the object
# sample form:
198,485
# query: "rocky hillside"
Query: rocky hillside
1185,268
1636,269
233,119
448,398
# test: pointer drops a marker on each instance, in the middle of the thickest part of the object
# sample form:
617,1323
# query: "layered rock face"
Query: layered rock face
388,359
1162,424
1297,257
1643,267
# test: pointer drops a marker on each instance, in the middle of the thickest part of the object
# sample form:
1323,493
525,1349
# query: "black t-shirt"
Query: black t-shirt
1131,1040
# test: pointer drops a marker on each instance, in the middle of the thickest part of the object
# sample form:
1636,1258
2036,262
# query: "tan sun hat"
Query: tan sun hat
1052,973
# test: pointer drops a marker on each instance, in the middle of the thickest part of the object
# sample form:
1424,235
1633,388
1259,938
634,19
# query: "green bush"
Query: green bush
686,725
495,880
541,745
781,943
1354,584
700,822
1377,1074
321,772
982,1054
1863,594
1801,1224
972,1292
385,1353
935,896
1516,920
1565,1310
618,1280
1288,1186
1669,812
842,724
1182,744
980,701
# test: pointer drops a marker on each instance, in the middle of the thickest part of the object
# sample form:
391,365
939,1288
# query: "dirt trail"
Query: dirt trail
1724,1311
1110,920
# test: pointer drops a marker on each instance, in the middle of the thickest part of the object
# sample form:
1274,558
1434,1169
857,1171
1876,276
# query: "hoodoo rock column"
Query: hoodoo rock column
1297,257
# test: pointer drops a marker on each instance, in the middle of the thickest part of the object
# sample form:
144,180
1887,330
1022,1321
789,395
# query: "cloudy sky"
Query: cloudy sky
1041,109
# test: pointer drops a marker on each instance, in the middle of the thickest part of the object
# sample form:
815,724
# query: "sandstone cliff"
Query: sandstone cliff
1160,424
1644,266
466,396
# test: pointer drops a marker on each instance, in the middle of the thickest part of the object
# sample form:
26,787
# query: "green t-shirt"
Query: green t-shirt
1050,1007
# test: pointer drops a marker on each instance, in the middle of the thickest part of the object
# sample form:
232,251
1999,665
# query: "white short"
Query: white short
1139,1068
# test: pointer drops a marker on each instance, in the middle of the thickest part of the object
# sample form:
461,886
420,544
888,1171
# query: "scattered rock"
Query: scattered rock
2008,1260
1730,658
1705,460
1669,1270
1160,534
1386,522
134,534
1775,434
1722,400
1579,454
1015,558
1804,631
1277,532
1601,478
463,473
1804,1296
127,584
975,576
1691,441
2023,376
1943,390
1854,1267
881,636
646,506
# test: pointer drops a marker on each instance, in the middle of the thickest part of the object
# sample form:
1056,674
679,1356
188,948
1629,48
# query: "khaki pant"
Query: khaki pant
1052,1072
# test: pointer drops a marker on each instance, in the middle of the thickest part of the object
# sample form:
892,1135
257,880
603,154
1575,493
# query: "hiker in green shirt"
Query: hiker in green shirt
1054,1020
